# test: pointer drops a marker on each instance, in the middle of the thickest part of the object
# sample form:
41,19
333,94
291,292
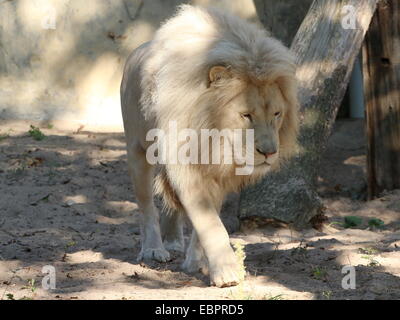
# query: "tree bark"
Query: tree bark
325,53
282,17
381,54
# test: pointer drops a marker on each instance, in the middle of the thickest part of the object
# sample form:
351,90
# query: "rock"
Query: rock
271,201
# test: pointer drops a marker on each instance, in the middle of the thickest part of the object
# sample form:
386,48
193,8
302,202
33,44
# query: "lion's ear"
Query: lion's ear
218,73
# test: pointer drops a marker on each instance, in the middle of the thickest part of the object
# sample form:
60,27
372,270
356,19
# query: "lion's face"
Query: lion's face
269,109
262,110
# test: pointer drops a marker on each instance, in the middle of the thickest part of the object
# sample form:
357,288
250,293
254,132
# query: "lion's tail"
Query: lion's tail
163,188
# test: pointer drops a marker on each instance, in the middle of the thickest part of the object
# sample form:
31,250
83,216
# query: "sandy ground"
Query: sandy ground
66,201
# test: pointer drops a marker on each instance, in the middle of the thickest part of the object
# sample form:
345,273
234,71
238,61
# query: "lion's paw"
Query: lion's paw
175,245
159,255
193,266
227,275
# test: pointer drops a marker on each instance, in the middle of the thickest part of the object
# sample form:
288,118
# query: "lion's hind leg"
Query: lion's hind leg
142,174
195,260
172,231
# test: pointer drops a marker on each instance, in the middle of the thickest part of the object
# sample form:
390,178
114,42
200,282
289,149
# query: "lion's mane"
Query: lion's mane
174,82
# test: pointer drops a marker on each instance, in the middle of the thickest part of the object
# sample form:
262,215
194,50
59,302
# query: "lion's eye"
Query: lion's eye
247,116
278,114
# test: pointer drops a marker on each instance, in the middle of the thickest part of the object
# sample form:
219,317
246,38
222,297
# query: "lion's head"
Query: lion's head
269,108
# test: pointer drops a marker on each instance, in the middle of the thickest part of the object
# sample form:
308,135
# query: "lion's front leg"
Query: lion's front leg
224,268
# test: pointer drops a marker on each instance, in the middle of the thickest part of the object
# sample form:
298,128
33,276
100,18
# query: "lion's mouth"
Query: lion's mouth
262,164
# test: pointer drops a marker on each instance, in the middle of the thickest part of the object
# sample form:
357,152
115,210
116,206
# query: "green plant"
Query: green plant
352,221
10,296
71,244
240,293
369,255
241,256
376,223
277,297
368,251
319,273
31,285
372,262
327,294
36,134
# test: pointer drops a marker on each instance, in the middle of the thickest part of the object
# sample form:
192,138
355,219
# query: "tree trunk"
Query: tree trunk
325,50
382,94
282,17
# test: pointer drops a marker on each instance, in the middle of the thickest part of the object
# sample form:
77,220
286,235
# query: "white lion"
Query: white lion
205,69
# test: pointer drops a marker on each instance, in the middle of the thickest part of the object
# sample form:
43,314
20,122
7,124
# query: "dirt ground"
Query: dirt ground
67,201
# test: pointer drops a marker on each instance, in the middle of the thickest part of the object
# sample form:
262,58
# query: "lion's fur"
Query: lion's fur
174,84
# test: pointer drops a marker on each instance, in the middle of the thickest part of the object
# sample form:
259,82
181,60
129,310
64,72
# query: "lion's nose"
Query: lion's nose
268,153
